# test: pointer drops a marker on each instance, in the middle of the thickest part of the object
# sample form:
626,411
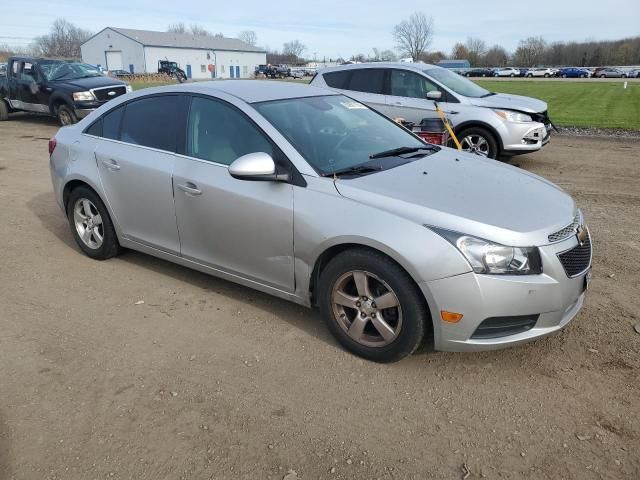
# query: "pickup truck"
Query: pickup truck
64,89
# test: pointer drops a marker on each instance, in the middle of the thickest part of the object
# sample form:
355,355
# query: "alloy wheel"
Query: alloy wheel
476,144
88,223
366,308
65,118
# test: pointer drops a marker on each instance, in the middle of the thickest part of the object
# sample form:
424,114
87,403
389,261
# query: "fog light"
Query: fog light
451,317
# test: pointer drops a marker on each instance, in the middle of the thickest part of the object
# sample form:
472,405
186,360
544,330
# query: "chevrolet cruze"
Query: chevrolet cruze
313,197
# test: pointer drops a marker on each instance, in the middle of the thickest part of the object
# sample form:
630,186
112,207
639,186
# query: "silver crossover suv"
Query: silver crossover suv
313,197
486,123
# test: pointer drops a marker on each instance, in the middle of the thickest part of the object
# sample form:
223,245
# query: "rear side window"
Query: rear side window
152,122
111,124
95,129
367,80
337,79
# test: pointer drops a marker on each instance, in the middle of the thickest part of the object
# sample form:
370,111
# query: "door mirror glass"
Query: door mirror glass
434,95
254,166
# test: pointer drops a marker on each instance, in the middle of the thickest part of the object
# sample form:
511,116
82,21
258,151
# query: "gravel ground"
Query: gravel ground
206,379
599,132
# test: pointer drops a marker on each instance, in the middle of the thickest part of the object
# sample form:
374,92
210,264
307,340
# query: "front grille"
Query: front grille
496,327
578,259
102,94
566,231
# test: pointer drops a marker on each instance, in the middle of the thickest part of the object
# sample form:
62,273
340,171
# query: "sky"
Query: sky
334,28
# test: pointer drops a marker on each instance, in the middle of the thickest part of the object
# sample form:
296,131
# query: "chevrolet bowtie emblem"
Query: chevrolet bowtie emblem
581,234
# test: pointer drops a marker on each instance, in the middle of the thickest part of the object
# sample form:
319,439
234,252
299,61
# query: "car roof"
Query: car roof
251,91
418,67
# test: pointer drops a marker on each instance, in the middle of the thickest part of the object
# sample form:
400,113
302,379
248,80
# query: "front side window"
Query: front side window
368,80
152,122
335,132
219,133
410,84
456,83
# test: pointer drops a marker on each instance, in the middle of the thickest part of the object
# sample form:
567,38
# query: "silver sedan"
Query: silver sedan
313,197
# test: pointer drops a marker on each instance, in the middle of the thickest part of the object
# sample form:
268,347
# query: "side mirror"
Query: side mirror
434,95
258,166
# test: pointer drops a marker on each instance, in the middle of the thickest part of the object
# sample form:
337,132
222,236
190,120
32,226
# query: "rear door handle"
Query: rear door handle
190,188
111,164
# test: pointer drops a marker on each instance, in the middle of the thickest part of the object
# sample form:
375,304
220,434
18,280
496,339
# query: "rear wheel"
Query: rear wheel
372,306
66,116
91,225
479,141
4,111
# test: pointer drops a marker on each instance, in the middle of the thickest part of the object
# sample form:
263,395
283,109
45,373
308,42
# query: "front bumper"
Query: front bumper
525,137
553,296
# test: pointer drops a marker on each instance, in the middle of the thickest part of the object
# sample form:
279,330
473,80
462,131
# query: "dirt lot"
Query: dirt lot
207,379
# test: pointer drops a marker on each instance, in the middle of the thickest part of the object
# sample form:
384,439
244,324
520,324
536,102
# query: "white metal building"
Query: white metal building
201,57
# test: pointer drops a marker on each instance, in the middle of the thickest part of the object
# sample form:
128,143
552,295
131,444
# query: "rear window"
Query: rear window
367,80
337,79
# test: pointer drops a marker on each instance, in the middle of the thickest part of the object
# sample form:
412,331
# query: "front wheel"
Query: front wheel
478,141
4,111
372,306
66,115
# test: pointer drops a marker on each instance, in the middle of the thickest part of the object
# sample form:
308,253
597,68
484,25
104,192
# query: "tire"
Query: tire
564,75
512,75
467,75
76,206
4,111
624,75
583,76
66,115
492,149
546,75
603,76
408,321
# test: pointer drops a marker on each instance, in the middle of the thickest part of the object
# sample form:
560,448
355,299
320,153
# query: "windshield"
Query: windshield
457,83
56,70
335,133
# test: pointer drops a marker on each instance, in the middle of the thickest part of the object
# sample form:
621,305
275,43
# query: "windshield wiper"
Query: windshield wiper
358,169
395,152
488,95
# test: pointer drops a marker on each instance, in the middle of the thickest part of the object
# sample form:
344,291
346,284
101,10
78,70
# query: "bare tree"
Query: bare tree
476,48
177,28
249,37
384,55
530,52
496,56
459,52
199,31
62,41
413,36
293,49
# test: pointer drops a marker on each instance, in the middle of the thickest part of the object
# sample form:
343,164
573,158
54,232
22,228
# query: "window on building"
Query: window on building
245,71
222,68
221,134
203,68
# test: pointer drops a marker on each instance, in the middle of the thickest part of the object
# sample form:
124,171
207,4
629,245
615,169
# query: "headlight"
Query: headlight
129,89
512,116
83,96
492,258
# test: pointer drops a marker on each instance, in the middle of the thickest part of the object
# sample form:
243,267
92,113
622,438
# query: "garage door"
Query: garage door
114,61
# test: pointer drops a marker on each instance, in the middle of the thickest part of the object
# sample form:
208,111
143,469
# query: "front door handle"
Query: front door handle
190,188
111,164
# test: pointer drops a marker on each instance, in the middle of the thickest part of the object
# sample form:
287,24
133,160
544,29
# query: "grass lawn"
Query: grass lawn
581,104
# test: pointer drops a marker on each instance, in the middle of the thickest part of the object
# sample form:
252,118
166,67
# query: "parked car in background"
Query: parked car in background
3,69
540,72
64,89
486,123
608,72
506,72
119,73
574,72
635,73
172,69
479,72
476,255
260,70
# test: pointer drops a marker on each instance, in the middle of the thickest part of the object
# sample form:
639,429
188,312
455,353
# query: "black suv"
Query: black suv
65,89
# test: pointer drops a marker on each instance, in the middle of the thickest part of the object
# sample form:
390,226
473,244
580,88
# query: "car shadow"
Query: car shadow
45,208
34,118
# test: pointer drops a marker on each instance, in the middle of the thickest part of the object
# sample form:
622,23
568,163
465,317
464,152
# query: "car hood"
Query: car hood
511,102
89,83
469,194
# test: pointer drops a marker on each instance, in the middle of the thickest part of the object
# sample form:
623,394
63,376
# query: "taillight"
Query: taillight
52,145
